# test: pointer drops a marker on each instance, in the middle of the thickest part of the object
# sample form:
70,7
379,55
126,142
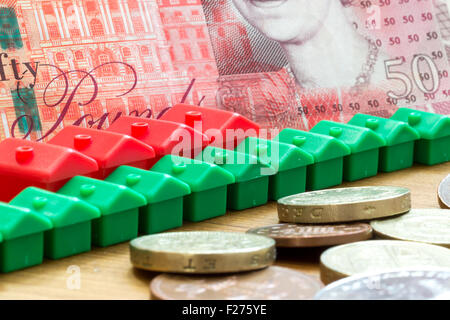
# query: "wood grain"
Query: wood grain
107,273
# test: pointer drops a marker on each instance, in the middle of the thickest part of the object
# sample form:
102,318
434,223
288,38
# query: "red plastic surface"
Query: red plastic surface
26,163
208,119
109,149
163,136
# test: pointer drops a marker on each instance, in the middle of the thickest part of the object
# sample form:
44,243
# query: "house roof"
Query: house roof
108,197
212,120
357,138
321,147
109,149
61,210
17,222
200,176
429,125
281,156
161,135
394,132
243,166
155,186
42,162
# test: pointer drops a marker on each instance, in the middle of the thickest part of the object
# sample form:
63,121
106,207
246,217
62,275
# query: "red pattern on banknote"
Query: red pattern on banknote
170,43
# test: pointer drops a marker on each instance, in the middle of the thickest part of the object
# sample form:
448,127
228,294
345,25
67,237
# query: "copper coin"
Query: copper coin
296,235
273,283
444,193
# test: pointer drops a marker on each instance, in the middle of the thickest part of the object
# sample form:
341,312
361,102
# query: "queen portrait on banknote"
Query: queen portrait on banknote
320,40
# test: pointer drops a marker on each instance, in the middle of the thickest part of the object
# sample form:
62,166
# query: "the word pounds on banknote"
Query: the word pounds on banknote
202,252
344,205
272,283
294,235
408,284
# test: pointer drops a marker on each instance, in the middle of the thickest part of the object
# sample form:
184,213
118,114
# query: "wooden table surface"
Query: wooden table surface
107,273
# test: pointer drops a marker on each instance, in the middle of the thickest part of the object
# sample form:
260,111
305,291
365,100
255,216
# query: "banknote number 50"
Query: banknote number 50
406,80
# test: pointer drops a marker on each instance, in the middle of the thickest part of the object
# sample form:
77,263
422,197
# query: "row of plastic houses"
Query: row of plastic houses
87,186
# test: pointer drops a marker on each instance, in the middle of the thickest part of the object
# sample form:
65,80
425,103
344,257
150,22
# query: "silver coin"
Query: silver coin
413,284
421,225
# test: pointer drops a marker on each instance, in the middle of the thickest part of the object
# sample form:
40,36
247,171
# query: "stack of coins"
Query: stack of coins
408,259
327,217
347,217
218,265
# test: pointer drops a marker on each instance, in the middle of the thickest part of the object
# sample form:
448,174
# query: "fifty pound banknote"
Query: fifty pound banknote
281,63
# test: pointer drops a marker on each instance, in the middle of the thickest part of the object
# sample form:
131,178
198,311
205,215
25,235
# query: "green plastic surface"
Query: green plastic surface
326,174
23,237
164,195
243,166
21,253
248,194
396,157
119,207
399,136
321,147
287,161
198,175
281,156
161,216
392,131
68,241
287,183
203,205
207,181
251,186
357,138
364,144
61,210
429,125
66,213
16,222
115,228
434,130
432,152
328,153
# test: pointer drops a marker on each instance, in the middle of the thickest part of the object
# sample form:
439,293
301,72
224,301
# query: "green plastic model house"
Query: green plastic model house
399,136
23,238
328,153
71,219
364,144
251,183
433,147
119,208
288,165
208,184
164,194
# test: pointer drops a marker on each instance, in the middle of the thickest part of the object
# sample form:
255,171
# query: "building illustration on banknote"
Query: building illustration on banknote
90,61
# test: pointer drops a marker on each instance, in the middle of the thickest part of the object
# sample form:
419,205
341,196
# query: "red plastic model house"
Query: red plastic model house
109,149
224,129
26,163
166,137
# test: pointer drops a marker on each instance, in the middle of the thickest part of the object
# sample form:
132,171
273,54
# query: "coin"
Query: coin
417,284
344,205
294,235
273,283
444,193
379,255
421,225
202,252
